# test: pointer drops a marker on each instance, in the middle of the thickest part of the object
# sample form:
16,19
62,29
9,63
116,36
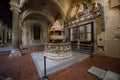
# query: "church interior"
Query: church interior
59,39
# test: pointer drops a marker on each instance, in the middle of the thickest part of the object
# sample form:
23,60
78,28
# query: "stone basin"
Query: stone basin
57,50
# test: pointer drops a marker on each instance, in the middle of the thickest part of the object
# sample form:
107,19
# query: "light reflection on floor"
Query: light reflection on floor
6,49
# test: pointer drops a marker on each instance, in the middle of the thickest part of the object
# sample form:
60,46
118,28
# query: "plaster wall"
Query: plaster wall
112,22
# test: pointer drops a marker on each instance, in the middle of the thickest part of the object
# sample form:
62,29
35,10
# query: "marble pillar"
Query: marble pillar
15,32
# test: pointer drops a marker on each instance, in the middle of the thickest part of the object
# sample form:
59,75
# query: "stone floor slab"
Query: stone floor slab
112,76
6,49
98,72
55,65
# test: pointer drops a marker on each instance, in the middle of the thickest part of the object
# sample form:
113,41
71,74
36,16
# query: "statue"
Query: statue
81,9
97,9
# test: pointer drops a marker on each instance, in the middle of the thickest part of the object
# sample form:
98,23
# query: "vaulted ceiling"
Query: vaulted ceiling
45,11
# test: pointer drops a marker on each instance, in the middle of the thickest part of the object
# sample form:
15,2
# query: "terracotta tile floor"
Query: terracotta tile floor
78,71
23,68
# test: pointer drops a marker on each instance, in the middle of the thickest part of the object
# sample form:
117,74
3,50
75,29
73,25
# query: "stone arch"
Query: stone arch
28,12
55,3
28,35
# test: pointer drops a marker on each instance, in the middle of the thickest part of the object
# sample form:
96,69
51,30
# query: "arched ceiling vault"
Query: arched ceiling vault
37,15
28,24
46,11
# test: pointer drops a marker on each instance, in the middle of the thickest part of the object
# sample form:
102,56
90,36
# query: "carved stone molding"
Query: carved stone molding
58,51
15,7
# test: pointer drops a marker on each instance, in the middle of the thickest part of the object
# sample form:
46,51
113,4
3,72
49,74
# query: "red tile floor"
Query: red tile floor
23,68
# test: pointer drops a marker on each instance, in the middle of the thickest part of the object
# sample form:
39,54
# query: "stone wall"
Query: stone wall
111,42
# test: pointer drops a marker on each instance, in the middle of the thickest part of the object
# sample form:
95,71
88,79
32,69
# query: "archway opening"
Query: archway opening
36,30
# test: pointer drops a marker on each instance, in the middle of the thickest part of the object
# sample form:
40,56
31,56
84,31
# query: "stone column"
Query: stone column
15,31
3,36
7,39
20,32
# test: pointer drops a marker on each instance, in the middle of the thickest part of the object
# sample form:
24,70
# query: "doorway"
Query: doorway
36,30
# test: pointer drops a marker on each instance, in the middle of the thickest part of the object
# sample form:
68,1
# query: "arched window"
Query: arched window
36,30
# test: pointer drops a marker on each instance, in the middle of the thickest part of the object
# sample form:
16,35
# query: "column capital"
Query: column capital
15,7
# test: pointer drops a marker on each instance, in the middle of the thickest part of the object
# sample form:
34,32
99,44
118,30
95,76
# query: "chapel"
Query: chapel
59,39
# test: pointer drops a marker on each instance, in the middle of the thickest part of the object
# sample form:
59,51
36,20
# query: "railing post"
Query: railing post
45,75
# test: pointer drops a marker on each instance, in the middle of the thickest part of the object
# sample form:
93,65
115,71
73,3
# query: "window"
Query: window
85,32
73,34
82,37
